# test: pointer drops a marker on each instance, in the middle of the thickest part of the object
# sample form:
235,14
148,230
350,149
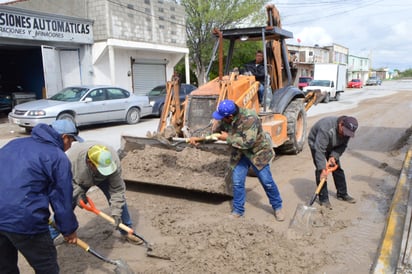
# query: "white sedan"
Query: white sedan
84,105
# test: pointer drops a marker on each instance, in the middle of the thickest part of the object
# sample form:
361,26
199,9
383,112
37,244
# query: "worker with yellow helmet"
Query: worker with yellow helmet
97,164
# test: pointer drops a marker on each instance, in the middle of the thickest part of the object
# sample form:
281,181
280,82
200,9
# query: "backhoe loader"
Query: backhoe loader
205,168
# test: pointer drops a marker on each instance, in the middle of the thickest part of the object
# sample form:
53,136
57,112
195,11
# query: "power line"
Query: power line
327,8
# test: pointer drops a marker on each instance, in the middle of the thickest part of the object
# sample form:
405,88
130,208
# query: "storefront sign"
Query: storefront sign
21,24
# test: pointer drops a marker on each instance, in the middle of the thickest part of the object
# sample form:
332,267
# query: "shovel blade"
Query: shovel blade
159,253
301,223
123,268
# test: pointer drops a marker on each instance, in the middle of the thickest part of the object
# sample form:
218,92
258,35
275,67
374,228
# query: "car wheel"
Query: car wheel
327,98
133,116
337,96
66,116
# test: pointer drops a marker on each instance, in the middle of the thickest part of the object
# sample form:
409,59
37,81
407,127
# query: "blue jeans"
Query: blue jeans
104,186
38,250
261,92
265,178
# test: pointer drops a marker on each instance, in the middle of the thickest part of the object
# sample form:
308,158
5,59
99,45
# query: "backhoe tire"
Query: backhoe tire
296,117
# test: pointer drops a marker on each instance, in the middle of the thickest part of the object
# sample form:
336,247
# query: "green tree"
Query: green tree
204,16
406,73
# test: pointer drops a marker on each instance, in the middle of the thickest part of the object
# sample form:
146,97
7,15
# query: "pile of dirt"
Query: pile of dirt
190,168
235,247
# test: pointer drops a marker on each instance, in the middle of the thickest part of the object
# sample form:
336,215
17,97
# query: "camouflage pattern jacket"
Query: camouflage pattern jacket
247,138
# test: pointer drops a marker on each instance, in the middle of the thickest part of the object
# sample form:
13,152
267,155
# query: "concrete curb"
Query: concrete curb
394,245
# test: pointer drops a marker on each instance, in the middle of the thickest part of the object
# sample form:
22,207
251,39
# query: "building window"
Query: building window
310,53
172,8
161,18
161,10
130,6
161,26
147,2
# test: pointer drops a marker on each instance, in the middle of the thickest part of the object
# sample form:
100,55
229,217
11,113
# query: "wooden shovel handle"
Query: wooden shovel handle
92,208
328,169
83,244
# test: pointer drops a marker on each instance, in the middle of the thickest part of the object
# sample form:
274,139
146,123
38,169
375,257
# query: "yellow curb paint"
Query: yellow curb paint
388,255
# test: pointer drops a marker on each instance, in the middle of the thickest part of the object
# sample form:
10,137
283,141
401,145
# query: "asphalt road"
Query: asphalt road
110,133
345,241
349,99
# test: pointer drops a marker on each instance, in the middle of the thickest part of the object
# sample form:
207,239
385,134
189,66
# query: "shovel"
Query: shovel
301,222
175,145
121,266
92,208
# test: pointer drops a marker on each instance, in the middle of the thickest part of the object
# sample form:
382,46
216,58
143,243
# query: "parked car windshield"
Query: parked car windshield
156,91
71,94
321,83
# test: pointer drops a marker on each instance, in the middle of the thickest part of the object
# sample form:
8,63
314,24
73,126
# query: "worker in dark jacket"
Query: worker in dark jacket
327,140
241,128
35,174
257,68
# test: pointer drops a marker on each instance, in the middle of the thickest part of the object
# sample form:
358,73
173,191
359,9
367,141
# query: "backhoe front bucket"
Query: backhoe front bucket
177,164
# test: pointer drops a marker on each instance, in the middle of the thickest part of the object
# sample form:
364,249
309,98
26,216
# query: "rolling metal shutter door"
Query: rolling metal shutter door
146,76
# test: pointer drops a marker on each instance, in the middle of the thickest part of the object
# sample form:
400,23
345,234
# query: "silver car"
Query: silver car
84,105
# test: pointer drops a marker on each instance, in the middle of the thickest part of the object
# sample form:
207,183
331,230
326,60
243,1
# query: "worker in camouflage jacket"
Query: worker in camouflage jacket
251,147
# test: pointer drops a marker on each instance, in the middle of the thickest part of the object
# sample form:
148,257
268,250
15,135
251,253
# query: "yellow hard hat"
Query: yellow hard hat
101,157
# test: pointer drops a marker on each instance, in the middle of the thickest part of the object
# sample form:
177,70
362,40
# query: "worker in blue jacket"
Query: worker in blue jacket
35,174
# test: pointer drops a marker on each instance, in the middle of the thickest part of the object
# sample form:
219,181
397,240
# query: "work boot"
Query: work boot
132,239
279,216
235,215
326,204
346,198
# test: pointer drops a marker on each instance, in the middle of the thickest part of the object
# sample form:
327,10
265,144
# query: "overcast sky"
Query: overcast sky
378,29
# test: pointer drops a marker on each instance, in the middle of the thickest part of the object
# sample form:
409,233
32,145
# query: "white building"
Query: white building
49,44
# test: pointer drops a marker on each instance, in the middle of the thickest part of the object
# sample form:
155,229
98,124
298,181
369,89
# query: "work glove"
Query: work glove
117,221
214,137
82,197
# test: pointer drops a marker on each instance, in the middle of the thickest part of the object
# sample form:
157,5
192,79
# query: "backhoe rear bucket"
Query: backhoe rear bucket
176,163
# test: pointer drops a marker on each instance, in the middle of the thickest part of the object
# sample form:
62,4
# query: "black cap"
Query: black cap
349,126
